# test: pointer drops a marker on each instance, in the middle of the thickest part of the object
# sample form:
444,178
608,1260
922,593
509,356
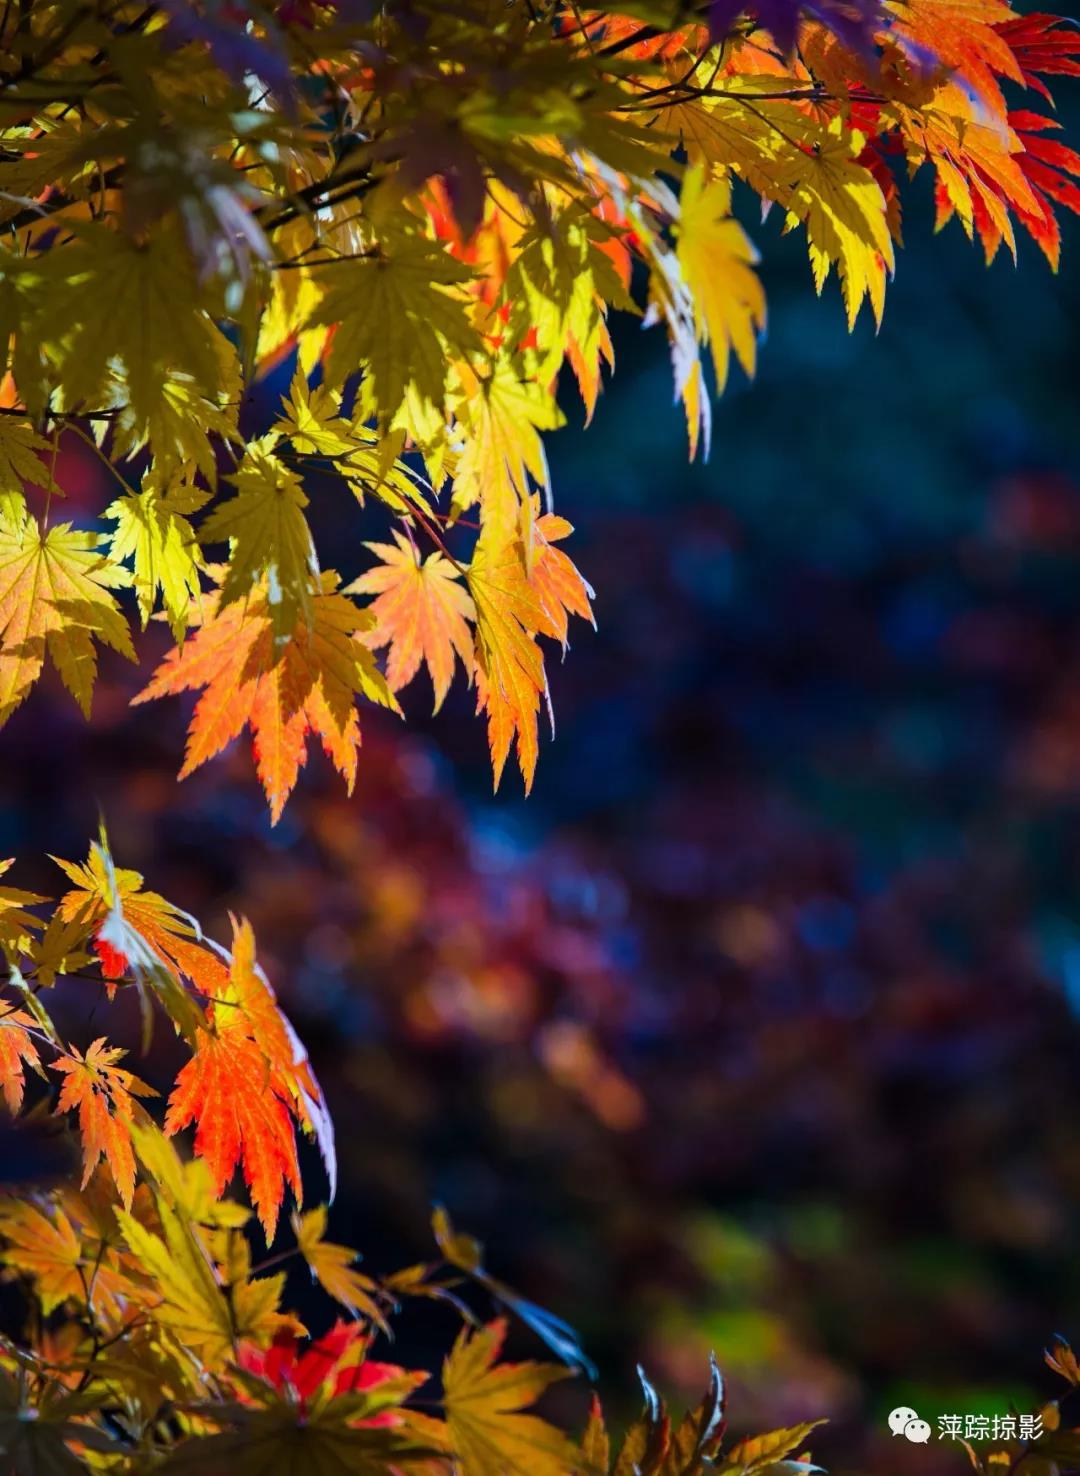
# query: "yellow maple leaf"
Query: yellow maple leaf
151,529
254,1300
510,674
483,1399
399,314
503,457
19,460
716,257
54,597
119,308
182,1293
841,206
811,170
270,538
17,925
332,1266
45,1247
763,1452
186,1184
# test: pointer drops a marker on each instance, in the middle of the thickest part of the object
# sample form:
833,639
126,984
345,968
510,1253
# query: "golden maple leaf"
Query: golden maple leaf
54,598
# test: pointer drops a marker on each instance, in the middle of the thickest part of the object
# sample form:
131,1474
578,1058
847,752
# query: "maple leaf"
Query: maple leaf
965,36
813,172
483,1400
421,612
17,925
978,175
558,291
282,693
312,419
153,531
716,257
120,307
1046,165
182,1289
510,666
54,597
559,588
762,1452
45,1247
141,934
335,1370
332,1266
651,1447
241,1087
248,994
1039,46
367,460
104,1095
17,1051
396,313
696,1441
503,457
21,451
59,950
183,422
841,206
254,1301
269,536
142,926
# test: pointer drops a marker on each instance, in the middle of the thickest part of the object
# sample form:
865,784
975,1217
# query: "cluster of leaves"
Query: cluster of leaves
433,209
561,1036
153,1342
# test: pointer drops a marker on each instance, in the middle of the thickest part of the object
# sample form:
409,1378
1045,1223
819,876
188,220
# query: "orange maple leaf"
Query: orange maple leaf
421,612
281,690
514,605
228,1091
555,579
510,676
246,1080
104,1094
17,1051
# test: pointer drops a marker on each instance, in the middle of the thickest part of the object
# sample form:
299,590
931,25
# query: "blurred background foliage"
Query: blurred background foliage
755,1028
